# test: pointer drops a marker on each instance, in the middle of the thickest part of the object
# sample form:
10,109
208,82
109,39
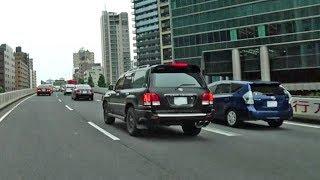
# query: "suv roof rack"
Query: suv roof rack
139,67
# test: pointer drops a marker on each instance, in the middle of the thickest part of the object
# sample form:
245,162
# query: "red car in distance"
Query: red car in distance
44,89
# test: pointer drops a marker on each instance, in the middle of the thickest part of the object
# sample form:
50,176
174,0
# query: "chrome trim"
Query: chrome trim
116,116
180,95
120,104
182,115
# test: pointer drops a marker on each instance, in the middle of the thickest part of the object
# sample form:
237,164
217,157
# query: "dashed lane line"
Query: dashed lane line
69,108
104,131
302,124
219,131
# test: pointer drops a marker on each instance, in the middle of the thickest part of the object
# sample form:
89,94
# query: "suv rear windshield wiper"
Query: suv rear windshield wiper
181,85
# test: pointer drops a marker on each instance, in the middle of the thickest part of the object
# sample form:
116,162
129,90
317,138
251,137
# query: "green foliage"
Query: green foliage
90,81
101,81
80,81
2,90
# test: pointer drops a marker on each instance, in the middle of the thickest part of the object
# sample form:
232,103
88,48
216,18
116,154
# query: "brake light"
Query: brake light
179,64
78,91
38,89
151,99
207,98
91,91
248,97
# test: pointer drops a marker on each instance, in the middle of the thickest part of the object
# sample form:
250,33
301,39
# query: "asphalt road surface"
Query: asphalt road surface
54,137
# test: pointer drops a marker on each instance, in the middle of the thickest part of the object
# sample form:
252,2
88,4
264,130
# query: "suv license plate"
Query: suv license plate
84,92
180,100
272,104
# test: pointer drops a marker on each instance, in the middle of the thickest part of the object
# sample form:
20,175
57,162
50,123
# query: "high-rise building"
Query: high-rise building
115,45
275,40
82,61
147,32
31,72
7,68
22,69
34,79
95,72
164,15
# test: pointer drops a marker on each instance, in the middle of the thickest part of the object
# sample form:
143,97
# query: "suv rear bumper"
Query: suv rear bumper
254,114
149,118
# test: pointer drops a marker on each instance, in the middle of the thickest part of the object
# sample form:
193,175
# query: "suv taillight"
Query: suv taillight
151,99
207,98
78,91
248,97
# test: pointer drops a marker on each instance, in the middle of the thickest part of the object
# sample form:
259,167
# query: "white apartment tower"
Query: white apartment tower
115,45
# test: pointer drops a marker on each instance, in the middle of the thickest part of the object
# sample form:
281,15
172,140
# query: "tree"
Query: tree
90,81
101,81
2,90
80,81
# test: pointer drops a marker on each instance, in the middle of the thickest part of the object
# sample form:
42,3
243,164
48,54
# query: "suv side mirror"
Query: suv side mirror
110,87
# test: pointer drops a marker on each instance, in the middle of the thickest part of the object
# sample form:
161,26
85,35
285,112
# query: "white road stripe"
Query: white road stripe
69,108
219,131
7,113
302,124
104,131
59,100
98,100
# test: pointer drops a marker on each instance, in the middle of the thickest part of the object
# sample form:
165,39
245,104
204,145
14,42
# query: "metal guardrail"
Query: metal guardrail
12,96
303,108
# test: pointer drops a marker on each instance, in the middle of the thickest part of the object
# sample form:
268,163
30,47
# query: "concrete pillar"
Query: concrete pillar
236,64
264,63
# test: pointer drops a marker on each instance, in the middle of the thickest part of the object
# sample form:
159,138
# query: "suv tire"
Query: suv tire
275,124
232,118
190,130
107,119
131,122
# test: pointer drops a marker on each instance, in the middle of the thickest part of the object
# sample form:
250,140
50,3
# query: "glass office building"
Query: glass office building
147,32
249,39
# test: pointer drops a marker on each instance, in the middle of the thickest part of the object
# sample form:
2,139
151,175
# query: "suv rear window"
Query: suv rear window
177,79
267,89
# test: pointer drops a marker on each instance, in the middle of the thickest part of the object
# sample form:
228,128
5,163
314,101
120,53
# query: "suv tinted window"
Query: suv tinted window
223,89
119,84
139,80
127,84
267,89
177,79
235,87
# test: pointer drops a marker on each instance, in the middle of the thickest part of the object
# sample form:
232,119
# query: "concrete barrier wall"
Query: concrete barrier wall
100,90
10,97
306,108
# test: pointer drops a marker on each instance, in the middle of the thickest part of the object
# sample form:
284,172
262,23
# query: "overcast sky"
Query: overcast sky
52,30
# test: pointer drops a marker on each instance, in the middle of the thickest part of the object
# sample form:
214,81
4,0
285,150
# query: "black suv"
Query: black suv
171,94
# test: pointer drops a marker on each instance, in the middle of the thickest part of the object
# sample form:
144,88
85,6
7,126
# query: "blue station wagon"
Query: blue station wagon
238,101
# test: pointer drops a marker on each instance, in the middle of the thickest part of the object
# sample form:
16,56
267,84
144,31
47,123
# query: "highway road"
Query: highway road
58,138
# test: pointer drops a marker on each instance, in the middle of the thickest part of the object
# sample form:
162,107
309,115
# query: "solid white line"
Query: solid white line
219,131
69,108
98,100
59,100
7,113
104,131
303,125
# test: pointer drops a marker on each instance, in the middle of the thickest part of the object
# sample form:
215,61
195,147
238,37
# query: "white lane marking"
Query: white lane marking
302,124
7,113
104,131
69,108
219,131
59,100
98,100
